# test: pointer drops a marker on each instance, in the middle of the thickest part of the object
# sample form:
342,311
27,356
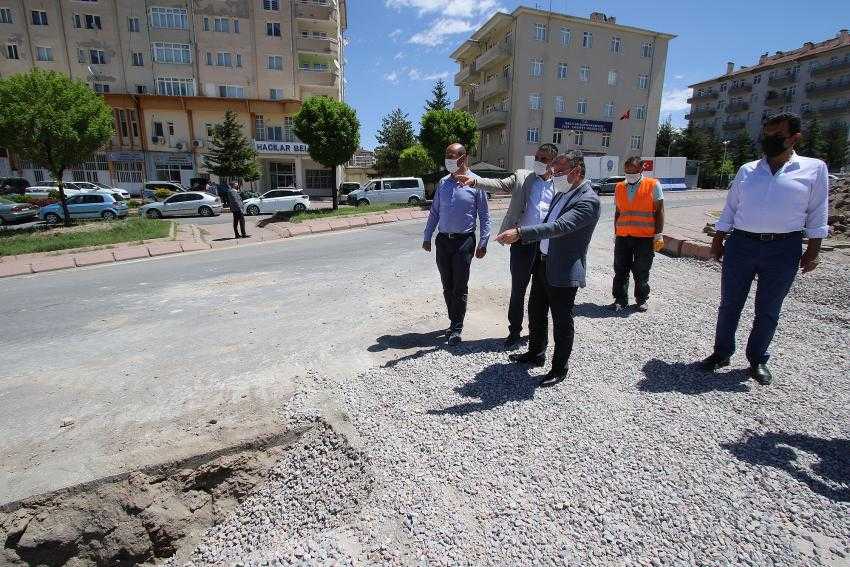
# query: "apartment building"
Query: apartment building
170,69
535,76
813,80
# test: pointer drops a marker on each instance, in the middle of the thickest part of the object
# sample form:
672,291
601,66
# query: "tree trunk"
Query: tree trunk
334,189
63,200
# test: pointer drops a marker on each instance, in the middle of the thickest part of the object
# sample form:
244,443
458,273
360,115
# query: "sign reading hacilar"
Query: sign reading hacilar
583,125
282,148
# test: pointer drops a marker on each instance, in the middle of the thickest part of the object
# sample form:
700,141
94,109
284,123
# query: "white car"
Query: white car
187,204
277,200
43,191
409,190
74,187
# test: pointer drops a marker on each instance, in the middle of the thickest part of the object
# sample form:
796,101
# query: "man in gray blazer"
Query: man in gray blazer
531,193
560,264
237,208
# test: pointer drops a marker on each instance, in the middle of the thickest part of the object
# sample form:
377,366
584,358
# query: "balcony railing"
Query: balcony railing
466,76
732,125
317,45
831,67
703,96
782,80
737,107
491,119
316,12
318,78
462,103
832,110
700,114
496,54
774,98
828,88
493,87
741,89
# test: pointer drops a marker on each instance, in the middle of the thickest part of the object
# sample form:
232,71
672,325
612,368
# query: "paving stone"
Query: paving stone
357,222
317,227
163,248
341,224
14,268
130,253
51,263
93,258
191,246
299,229
375,219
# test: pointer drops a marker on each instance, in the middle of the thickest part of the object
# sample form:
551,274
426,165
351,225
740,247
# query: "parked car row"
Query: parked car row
16,212
91,205
184,204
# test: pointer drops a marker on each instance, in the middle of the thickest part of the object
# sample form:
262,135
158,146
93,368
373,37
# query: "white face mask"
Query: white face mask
562,183
632,178
540,168
452,165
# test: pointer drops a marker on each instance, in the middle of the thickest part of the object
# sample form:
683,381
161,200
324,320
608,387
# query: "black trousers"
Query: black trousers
561,301
522,264
239,222
635,255
454,257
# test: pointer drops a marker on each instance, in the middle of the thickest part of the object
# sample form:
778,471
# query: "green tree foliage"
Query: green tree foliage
231,155
441,97
332,130
395,136
837,147
52,121
415,162
744,151
440,128
814,142
665,140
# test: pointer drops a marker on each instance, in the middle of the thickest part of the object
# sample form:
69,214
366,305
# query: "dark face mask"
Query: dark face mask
774,145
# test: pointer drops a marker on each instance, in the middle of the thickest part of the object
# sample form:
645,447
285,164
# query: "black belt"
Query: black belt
453,235
543,257
767,237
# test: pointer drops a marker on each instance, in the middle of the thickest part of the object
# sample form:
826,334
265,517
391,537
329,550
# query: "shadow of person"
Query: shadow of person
426,343
829,476
494,386
224,239
593,311
689,379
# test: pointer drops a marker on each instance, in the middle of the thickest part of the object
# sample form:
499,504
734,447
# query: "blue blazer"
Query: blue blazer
569,236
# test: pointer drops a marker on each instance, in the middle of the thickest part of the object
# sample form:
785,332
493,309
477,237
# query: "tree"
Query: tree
837,146
415,162
814,142
53,121
744,150
331,129
230,154
665,139
441,97
440,128
395,136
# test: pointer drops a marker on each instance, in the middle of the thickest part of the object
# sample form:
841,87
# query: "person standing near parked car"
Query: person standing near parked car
237,207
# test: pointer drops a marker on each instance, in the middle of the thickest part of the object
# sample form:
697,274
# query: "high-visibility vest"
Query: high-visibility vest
637,217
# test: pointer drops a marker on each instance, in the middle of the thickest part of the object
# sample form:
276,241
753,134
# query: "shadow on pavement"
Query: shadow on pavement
224,239
828,477
689,379
593,311
494,386
426,343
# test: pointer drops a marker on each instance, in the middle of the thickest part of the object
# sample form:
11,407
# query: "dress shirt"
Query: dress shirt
794,199
455,209
538,203
558,202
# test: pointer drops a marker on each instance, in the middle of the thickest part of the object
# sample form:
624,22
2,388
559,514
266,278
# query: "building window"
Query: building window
612,77
169,18
757,79
273,29
566,36
231,91
223,59
167,172
584,74
805,107
646,49
177,53
540,32
276,94
581,106
138,59
578,138
209,58
606,140
635,143
12,51
289,130
557,137
271,5
101,87
560,105
275,62
235,26
534,101
128,171
39,18
5,16
616,45
97,57
260,128
93,22
609,109
221,25
536,67
141,89
643,82
319,179
562,70
44,53
532,135
175,87
587,40
640,112
133,25
503,136
274,133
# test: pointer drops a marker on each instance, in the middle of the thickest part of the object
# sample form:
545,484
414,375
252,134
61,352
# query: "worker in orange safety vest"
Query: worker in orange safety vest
638,222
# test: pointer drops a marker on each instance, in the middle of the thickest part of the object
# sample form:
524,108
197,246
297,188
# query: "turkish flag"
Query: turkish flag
627,115
648,165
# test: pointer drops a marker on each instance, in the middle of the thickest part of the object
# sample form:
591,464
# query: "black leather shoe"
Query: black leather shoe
715,362
642,307
553,377
454,339
528,358
761,374
617,307
512,341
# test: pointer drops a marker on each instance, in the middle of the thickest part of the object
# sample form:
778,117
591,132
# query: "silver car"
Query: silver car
16,212
188,204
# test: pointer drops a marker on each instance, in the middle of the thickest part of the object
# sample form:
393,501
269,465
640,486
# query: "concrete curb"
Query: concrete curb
680,247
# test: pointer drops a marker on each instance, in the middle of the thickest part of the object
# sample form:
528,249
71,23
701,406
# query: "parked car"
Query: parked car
277,200
346,188
43,191
16,212
89,205
13,185
151,187
607,186
187,204
394,190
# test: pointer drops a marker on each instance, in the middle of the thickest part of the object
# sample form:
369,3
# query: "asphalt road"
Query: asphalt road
110,368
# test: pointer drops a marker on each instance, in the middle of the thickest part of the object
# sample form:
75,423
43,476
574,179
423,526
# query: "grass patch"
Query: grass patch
89,234
347,211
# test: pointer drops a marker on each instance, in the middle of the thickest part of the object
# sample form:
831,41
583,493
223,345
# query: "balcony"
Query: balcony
496,54
463,103
833,110
492,119
774,98
466,76
700,114
703,97
732,125
317,14
493,87
831,67
310,78
737,107
741,89
828,88
781,81
317,45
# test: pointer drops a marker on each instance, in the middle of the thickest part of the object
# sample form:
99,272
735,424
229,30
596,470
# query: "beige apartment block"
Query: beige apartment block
534,76
170,68
813,80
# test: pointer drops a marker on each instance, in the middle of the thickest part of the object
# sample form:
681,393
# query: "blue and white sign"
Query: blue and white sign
581,125
610,164
281,148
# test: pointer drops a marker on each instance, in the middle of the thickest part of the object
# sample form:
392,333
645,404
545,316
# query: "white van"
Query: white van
409,190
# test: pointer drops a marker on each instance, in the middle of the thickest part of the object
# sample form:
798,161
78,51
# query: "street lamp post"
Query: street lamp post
723,163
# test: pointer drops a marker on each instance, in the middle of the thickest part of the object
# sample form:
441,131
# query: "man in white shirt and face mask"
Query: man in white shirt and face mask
531,194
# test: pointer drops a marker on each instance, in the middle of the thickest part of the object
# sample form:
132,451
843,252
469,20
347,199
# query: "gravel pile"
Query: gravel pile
839,206
637,459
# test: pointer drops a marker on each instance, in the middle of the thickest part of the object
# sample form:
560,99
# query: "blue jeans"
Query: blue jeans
775,263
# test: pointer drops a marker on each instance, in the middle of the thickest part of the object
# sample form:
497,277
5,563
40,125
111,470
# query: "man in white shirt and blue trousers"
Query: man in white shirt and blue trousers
771,205
455,210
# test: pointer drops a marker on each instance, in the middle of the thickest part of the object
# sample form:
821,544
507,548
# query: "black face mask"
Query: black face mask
774,145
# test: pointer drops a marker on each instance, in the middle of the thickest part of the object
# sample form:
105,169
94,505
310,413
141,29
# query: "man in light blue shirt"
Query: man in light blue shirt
454,212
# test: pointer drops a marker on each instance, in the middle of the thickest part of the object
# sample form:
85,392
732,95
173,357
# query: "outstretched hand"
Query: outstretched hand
508,237
464,180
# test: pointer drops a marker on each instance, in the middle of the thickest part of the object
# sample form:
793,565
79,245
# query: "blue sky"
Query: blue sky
398,48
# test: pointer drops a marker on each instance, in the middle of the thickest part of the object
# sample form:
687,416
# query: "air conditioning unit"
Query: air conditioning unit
197,143
179,145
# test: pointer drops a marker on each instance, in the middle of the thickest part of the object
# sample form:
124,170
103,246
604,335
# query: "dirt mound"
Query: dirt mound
839,206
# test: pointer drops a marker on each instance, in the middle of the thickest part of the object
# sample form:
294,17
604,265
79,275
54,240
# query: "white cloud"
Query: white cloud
440,29
391,78
679,77
447,8
399,56
394,35
675,100
417,75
